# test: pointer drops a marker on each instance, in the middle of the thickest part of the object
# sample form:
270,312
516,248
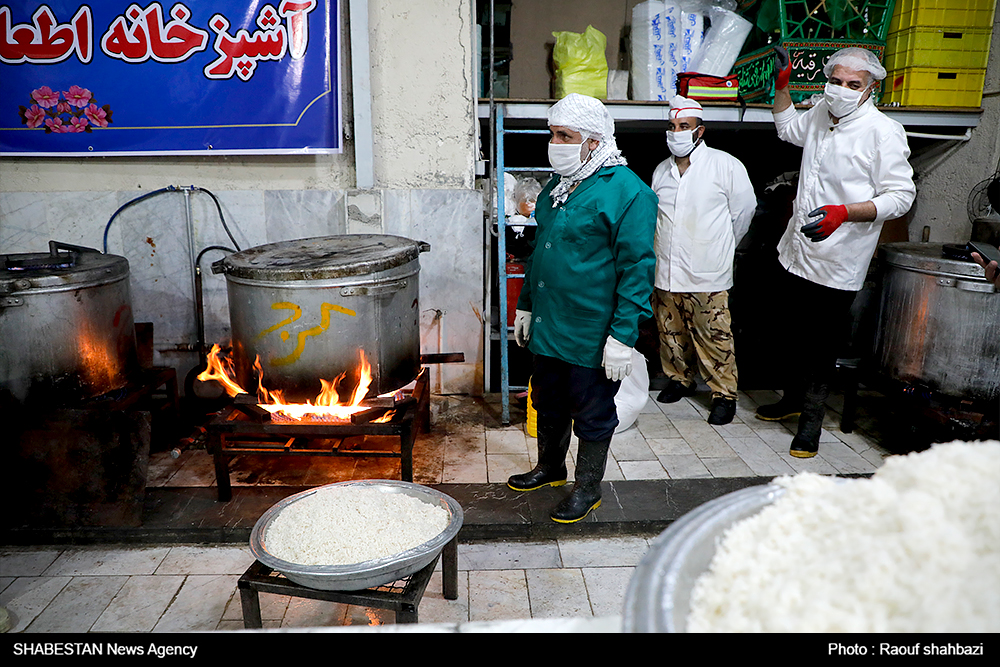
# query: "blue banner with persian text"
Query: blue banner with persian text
112,77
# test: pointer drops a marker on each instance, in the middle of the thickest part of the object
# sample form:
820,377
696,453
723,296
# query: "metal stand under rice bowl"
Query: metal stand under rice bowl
370,573
659,593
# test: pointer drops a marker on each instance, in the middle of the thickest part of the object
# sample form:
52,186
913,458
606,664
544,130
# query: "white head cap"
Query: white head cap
583,114
682,107
858,59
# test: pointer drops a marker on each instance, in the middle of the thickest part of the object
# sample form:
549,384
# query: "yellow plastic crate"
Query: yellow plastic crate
935,87
937,47
942,13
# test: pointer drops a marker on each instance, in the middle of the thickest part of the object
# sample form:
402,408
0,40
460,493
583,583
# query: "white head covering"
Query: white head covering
588,116
682,107
855,58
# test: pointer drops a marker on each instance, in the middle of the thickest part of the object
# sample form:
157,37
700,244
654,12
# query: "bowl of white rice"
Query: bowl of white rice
914,548
354,535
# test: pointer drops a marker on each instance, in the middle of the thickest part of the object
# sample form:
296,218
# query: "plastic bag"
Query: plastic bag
633,393
581,66
525,195
722,43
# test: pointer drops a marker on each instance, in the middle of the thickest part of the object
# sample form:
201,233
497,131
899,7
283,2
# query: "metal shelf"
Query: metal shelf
641,115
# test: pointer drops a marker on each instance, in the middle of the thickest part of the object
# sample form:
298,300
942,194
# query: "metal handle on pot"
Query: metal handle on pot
374,290
966,285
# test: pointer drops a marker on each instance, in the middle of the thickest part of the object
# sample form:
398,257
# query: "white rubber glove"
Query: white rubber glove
617,359
522,327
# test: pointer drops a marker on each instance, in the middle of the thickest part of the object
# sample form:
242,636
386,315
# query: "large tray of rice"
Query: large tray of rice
355,535
914,548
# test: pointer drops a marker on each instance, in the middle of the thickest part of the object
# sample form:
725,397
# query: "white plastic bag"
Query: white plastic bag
633,393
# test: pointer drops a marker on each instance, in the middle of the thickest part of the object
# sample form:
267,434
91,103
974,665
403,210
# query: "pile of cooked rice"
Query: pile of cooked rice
915,548
342,525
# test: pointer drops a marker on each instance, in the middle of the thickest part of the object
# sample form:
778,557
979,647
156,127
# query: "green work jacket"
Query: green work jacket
590,273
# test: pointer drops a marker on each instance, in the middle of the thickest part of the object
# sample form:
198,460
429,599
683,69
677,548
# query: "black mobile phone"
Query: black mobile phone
986,251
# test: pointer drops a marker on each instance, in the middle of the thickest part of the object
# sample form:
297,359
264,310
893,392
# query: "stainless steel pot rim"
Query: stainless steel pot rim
657,579
929,258
322,257
323,282
427,550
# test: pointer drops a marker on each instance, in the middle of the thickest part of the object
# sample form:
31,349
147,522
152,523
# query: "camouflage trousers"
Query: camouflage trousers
696,335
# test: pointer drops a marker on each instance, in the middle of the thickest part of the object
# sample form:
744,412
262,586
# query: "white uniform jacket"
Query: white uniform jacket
702,217
862,158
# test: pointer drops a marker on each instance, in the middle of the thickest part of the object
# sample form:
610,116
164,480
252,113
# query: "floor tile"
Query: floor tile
138,604
497,595
26,563
682,466
206,560
603,552
557,593
630,445
727,467
508,555
643,469
27,597
606,588
434,608
199,603
107,561
78,605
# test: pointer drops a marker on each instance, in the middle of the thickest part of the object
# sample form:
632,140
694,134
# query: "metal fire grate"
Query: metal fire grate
243,428
402,596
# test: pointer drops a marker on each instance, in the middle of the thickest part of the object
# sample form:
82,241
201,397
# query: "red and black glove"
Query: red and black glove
833,216
782,67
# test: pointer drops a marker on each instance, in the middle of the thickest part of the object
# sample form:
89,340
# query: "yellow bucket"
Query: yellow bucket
532,416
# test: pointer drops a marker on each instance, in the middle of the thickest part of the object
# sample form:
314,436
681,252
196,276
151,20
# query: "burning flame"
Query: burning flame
327,406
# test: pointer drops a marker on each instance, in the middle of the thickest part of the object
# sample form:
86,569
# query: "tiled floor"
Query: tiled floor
187,588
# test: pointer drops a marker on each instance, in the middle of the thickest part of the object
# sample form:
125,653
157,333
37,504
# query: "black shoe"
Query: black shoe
553,443
783,409
586,494
674,391
723,411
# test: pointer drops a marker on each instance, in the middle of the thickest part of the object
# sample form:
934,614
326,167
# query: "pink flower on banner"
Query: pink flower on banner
55,125
45,97
77,124
63,107
77,96
35,116
97,115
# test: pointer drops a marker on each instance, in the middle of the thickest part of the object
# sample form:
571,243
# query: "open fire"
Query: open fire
328,406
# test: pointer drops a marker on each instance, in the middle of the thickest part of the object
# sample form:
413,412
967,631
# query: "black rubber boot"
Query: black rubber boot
586,494
787,407
805,444
553,443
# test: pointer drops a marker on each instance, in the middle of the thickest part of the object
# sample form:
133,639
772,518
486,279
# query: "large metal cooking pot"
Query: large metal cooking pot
938,322
308,308
66,328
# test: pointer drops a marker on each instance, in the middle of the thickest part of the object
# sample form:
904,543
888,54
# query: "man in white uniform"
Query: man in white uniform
854,175
706,202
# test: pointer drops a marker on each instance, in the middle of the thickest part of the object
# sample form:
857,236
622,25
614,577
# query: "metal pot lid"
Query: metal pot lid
933,258
322,257
64,266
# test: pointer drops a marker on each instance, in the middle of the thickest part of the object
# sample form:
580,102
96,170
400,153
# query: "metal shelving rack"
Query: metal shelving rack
500,131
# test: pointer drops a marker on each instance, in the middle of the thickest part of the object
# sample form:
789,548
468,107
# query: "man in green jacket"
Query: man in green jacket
587,285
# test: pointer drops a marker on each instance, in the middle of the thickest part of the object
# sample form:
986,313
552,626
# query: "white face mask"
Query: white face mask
842,101
565,158
682,142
